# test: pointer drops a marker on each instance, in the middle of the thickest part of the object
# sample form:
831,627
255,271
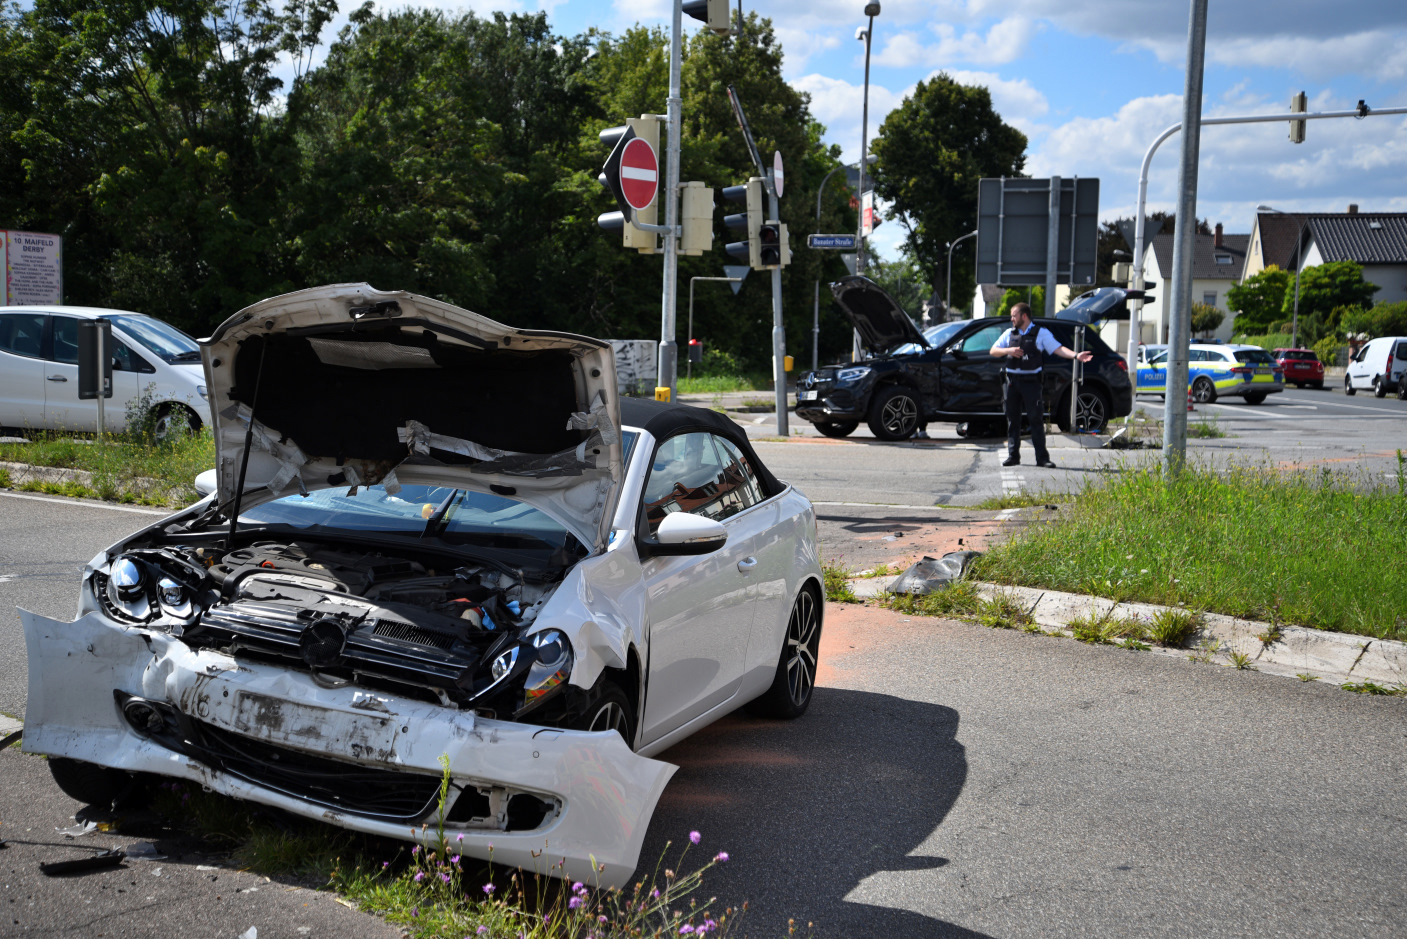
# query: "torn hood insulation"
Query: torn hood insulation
347,385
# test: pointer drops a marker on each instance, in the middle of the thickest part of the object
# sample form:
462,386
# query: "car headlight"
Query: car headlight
202,391
504,664
852,374
552,668
127,589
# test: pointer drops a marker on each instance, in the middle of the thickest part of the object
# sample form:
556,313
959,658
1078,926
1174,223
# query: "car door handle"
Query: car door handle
747,564
57,378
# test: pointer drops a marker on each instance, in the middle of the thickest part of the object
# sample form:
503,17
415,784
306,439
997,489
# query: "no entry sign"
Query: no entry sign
639,173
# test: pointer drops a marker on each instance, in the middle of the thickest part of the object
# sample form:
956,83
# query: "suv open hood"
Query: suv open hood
881,324
347,385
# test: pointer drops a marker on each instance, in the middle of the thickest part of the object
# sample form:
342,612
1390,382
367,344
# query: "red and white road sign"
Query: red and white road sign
639,173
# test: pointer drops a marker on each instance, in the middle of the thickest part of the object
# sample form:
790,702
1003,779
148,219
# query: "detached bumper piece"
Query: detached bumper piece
564,803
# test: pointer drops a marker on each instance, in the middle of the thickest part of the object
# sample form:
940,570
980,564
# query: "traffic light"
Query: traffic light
696,218
747,224
647,128
1298,105
713,13
773,247
696,351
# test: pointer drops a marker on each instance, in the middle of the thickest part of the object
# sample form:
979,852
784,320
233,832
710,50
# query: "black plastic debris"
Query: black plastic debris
110,858
932,574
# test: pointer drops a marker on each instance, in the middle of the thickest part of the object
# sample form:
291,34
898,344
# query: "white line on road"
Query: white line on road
80,502
880,505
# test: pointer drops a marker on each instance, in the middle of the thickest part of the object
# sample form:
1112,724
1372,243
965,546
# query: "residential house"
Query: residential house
1376,240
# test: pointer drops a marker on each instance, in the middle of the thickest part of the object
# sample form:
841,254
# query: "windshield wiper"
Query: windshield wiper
432,524
193,356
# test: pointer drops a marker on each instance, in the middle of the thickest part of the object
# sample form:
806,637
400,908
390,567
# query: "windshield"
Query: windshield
162,339
1298,355
459,517
936,336
1254,357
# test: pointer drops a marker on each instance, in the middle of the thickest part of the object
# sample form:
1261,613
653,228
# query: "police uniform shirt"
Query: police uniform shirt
1045,342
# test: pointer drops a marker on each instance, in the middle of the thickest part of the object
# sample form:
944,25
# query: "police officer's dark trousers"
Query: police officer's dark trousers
1022,395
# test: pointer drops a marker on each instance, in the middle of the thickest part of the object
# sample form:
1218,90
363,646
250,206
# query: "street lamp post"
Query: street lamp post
866,33
1299,262
816,316
948,295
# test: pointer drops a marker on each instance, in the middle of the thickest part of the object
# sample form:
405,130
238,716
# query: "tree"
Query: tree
1258,299
1325,286
902,280
1035,296
1206,318
931,151
1384,319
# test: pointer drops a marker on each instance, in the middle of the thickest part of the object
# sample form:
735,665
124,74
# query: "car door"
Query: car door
699,607
22,369
1153,377
971,377
63,410
130,371
1357,368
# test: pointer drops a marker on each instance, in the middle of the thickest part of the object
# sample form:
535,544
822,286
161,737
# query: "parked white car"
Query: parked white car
39,370
1379,366
436,537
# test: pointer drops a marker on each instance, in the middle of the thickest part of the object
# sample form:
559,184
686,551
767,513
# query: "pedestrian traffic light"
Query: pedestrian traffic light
1298,105
773,249
749,223
696,218
696,351
647,128
713,13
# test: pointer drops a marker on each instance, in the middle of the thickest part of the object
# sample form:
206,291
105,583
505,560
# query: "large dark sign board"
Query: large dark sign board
1013,231
92,334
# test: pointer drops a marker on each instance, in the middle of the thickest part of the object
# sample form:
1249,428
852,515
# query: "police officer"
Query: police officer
1027,344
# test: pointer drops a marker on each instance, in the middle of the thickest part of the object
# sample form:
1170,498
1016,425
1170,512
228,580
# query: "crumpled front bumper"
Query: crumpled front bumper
598,795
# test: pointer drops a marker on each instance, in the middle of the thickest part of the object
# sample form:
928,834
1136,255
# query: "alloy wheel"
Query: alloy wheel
803,635
1203,391
1089,411
899,414
610,716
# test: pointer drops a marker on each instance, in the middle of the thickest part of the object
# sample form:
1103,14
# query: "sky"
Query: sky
1093,82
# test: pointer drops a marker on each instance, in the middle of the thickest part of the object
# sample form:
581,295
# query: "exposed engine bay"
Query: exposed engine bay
451,635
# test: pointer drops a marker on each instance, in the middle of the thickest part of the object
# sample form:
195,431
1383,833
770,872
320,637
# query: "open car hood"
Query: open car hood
881,324
347,385
1103,303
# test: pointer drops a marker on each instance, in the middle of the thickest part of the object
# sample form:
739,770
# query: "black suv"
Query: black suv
945,374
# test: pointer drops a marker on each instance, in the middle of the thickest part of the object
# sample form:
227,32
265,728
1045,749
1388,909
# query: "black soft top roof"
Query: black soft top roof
667,419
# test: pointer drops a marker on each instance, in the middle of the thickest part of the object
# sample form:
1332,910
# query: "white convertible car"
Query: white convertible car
435,538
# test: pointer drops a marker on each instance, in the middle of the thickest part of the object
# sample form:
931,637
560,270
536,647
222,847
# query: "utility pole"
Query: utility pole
1180,327
668,380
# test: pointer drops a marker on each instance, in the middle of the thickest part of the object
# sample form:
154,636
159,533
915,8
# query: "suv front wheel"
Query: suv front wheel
894,413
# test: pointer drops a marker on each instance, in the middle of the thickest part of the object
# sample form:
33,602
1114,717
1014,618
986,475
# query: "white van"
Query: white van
1379,365
39,370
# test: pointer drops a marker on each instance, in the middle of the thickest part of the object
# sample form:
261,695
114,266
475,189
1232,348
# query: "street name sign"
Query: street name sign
831,242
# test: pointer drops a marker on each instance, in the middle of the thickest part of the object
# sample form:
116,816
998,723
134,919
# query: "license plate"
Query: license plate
807,396
1265,371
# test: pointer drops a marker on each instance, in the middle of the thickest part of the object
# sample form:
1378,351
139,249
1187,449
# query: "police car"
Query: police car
1218,371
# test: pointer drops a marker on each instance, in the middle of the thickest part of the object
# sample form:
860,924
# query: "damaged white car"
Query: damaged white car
435,537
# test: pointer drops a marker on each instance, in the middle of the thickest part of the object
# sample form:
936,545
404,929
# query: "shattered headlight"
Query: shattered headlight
552,668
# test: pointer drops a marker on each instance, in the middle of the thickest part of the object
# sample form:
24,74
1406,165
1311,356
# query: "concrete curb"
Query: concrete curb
1336,657
21,473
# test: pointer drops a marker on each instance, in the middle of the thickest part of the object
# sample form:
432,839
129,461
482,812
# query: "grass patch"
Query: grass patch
837,582
433,891
1217,541
1017,500
718,384
120,464
881,570
962,600
1368,687
1206,429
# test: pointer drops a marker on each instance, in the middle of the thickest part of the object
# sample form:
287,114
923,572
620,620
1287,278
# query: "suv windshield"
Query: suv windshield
936,336
460,517
1254,357
163,340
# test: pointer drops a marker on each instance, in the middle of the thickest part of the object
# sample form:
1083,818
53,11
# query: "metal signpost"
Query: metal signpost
1033,232
735,280
95,365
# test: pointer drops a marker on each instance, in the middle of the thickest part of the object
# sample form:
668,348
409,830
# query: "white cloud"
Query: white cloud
837,104
1018,103
1004,42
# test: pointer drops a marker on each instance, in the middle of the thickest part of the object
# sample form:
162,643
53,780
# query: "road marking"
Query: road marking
879,505
94,505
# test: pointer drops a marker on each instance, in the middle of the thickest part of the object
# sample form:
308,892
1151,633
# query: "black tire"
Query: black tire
1093,414
610,710
89,783
168,419
1257,397
795,680
1402,388
894,413
1317,384
1348,388
1379,388
1203,391
837,428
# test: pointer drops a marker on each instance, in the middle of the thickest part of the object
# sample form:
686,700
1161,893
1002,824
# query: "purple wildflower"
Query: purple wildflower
600,919
574,903
454,859
489,889
385,864
655,894
415,850
419,876
685,929
460,837
721,856
695,837
444,878
578,887
481,931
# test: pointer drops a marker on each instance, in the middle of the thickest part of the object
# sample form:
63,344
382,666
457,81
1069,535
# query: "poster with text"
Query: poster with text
33,268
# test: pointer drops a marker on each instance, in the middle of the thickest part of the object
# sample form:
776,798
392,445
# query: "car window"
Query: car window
125,360
22,334
736,465
160,338
980,342
1401,352
1160,359
1197,355
65,340
690,475
1254,357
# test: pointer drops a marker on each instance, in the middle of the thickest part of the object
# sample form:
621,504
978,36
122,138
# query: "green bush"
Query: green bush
1327,349
1269,342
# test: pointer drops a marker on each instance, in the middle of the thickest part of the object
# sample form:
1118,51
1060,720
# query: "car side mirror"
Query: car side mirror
206,483
681,533
956,352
